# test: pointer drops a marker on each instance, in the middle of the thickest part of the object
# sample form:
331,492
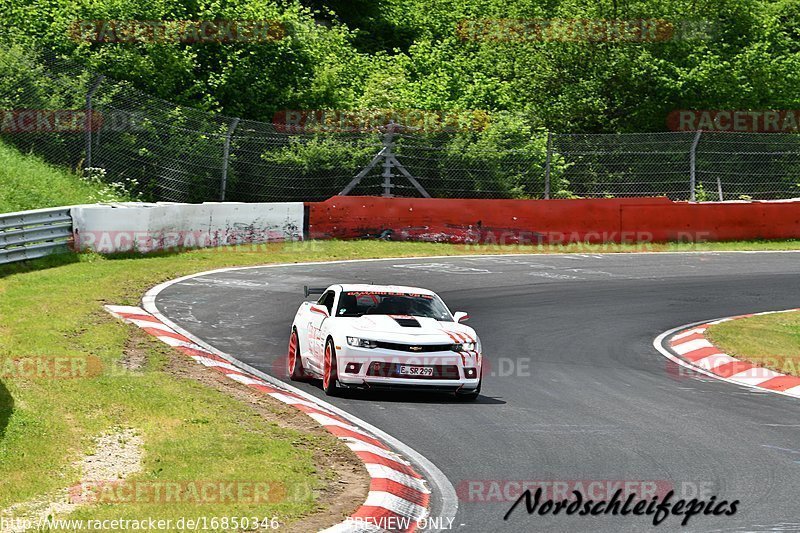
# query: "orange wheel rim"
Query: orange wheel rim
326,378
292,354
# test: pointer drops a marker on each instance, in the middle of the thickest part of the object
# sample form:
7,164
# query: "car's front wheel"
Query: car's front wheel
470,394
330,371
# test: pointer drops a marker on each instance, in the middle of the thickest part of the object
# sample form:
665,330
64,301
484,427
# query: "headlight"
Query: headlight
464,347
361,343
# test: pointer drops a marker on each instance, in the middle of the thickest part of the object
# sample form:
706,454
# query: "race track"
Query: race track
577,391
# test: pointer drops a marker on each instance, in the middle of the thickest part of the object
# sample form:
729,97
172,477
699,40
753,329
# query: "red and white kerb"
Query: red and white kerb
693,347
397,493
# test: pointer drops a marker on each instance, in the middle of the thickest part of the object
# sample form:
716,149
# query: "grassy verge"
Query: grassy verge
27,182
772,341
53,307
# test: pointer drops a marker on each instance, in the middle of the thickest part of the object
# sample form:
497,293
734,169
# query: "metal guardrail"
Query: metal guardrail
30,234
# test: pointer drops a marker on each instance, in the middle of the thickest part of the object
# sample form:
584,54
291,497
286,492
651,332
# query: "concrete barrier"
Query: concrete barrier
167,226
550,221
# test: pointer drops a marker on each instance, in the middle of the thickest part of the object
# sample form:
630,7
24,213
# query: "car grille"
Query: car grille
390,370
415,348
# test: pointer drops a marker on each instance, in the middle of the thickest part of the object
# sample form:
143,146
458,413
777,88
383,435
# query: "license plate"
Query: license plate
416,370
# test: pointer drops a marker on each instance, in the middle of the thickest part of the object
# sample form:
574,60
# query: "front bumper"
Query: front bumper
380,369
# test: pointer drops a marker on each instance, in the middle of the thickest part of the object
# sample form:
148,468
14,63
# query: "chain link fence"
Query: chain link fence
699,166
160,151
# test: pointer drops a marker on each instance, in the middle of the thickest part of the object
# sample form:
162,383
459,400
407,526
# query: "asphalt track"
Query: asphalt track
576,391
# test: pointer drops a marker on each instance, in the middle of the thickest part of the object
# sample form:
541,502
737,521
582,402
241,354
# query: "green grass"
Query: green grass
772,341
27,182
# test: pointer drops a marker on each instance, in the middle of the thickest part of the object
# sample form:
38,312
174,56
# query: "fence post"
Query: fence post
387,163
226,152
692,167
548,159
89,122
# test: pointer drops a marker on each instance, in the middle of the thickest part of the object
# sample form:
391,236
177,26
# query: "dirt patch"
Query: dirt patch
117,454
344,478
134,355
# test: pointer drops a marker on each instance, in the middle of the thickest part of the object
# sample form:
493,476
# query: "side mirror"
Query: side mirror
460,316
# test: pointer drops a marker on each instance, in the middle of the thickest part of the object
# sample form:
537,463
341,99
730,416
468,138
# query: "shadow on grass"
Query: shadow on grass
254,248
50,261
6,408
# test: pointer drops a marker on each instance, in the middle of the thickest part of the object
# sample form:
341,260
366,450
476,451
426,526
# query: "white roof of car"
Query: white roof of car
367,287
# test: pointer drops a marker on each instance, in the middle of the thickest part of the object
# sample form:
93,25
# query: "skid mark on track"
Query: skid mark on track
234,283
554,275
444,268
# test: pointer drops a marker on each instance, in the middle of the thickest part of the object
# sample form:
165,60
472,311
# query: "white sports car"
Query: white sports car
382,336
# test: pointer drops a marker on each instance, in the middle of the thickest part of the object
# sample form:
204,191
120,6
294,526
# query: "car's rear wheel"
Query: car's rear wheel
330,371
294,362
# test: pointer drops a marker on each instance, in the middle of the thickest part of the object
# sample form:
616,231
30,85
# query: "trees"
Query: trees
452,55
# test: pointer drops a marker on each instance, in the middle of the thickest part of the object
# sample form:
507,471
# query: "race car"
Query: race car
384,337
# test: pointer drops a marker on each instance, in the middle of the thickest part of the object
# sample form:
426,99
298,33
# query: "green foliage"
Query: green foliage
319,154
410,53
27,182
508,156
415,54
701,195
306,162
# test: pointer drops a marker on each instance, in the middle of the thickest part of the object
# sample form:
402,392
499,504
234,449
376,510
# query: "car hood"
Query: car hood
408,328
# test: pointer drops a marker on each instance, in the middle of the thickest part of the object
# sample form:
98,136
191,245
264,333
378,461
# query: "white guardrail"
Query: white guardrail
142,227
32,234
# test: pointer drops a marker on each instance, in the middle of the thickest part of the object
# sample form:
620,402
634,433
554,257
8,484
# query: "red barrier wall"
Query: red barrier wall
550,221
715,221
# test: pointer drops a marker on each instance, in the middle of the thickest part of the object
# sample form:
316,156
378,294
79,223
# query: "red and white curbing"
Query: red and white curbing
398,497
692,346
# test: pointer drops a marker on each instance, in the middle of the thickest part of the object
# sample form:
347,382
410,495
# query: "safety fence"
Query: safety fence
159,151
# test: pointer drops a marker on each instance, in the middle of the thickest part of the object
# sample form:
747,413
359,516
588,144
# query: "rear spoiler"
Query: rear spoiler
313,290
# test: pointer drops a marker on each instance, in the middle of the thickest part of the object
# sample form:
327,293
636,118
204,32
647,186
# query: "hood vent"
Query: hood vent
406,321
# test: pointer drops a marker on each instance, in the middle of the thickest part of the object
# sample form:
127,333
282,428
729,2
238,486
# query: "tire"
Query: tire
471,394
330,371
294,362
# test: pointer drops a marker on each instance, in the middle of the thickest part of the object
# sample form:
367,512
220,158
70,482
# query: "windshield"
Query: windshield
358,303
